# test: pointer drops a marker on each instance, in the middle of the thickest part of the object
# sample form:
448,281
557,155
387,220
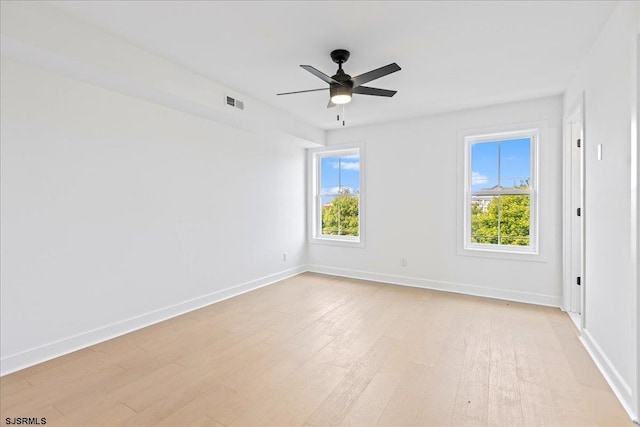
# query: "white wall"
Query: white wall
118,212
608,78
411,194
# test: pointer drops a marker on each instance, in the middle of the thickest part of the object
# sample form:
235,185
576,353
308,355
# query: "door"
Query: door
577,217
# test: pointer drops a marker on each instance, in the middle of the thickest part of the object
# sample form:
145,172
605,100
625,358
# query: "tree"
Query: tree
505,220
340,216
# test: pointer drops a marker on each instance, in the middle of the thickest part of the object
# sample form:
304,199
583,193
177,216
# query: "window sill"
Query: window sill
337,242
502,254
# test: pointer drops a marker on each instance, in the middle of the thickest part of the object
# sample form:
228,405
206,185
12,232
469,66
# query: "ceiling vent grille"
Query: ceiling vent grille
233,103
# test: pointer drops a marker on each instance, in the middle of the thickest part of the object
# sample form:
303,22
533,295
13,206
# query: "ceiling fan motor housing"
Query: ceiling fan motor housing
344,87
340,56
336,89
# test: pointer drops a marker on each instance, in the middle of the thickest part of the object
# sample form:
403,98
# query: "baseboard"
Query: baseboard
68,345
460,288
619,386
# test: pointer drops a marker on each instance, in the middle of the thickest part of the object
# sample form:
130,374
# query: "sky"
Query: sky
515,163
340,172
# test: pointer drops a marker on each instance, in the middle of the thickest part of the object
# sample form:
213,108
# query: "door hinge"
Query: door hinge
579,212
578,142
578,280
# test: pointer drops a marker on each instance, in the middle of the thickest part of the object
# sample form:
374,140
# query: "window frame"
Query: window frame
314,220
471,138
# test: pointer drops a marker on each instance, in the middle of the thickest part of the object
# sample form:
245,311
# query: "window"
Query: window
337,211
500,205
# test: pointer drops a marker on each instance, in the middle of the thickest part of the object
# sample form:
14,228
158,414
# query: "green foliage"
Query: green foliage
504,221
340,217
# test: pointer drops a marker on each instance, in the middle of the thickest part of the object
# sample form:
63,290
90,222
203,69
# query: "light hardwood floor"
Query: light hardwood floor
317,350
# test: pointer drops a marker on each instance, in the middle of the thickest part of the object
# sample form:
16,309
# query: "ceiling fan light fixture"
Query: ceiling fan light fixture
340,94
341,99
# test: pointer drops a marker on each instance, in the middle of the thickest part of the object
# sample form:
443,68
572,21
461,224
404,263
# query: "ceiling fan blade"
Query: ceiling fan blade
302,91
322,76
331,104
365,90
375,74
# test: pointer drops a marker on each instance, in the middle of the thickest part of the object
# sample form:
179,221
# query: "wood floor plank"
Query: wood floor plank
529,366
206,422
14,385
293,410
439,402
537,400
471,406
47,394
404,403
574,411
505,404
371,403
286,387
335,407
317,350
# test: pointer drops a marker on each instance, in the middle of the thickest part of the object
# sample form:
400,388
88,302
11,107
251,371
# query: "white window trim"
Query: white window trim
535,251
313,206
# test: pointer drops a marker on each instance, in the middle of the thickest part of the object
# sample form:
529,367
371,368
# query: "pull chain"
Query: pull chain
343,114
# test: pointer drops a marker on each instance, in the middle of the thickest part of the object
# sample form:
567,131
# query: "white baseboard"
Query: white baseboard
16,362
617,383
460,288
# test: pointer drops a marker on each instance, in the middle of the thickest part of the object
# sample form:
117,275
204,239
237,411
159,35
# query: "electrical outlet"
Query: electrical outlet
284,256
403,262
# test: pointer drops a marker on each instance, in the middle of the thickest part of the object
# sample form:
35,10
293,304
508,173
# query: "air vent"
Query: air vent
233,103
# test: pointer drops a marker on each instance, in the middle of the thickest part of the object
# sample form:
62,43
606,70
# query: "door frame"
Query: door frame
635,209
577,113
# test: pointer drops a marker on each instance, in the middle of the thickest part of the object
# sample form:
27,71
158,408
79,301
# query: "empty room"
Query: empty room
319,213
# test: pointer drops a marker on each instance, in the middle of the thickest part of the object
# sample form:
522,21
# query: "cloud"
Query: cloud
336,190
353,166
478,178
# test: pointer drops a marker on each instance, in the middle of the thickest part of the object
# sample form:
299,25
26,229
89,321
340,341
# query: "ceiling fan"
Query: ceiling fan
342,86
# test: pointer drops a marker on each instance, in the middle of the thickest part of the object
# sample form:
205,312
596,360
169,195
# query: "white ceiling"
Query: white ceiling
454,55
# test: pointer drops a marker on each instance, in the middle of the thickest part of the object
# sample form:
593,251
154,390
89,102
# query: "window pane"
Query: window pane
330,179
340,215
484,165
484,219
515,214
515,163
340,175
350,174
329,216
